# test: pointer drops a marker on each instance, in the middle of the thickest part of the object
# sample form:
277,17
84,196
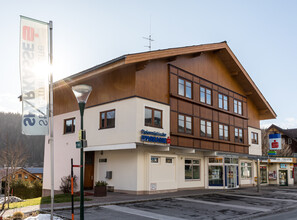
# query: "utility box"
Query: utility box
108,175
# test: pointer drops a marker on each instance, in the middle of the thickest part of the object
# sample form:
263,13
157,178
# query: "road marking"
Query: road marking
258,197
227,205
140,212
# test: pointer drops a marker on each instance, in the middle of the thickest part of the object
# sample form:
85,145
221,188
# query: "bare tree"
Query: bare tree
286,150
12,156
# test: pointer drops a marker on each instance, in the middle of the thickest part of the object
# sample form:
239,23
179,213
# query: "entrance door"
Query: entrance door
89,170
231,173
283,177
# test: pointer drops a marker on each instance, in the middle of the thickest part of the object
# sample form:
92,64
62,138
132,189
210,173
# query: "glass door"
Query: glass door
231,173
283,178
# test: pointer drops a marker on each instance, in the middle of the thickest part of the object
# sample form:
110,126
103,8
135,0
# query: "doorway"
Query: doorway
283,177
231,176
89,170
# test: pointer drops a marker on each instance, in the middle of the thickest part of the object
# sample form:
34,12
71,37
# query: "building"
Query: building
19,173
163,120
281,168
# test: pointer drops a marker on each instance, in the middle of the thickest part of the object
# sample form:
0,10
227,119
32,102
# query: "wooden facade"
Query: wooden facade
154,76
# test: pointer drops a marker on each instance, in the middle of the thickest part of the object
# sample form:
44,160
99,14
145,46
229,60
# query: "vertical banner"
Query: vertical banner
275,141
34,71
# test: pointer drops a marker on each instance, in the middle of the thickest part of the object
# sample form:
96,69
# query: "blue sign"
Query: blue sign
156,138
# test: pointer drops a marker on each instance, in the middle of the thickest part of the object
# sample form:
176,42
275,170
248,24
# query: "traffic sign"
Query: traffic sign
78,144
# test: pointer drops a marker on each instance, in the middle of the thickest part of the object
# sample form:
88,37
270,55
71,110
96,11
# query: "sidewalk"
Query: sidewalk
114,198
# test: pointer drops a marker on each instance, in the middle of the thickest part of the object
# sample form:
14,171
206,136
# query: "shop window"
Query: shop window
185,88
205,95
238,135
184,124
155,159
254,138
153,117
231,160
192,169
205,128
263,174
246,170
237,107
224,132
69,125
223,101
107,119
215,175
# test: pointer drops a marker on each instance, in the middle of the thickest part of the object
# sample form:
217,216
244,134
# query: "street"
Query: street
232,204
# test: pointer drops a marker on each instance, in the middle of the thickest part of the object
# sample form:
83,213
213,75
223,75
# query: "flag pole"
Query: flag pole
51,122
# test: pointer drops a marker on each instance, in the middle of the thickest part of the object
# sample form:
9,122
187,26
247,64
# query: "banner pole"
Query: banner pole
51,122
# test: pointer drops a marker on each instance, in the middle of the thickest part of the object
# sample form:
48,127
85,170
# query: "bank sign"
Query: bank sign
34,71
154,137
275,142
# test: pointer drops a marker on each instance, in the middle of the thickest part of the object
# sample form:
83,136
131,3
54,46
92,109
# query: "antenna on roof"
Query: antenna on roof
149,38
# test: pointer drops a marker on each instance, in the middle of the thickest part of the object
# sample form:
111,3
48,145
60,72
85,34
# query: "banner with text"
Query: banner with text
34,71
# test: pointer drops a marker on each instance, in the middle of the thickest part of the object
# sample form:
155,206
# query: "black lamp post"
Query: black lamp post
82,93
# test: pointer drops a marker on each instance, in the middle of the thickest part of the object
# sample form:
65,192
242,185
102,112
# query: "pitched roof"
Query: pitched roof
221,49
34,169
291,133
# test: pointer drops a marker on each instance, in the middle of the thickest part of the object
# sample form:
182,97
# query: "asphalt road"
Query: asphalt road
233,204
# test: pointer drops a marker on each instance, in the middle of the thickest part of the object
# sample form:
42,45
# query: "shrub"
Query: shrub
18,216
65,186
101,183
26,189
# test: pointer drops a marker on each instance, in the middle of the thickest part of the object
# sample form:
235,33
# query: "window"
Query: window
215,160
238,135
69,125
192,169
154,159
107,119
237,107
20,176
223,102
184,124
185,88
205,95
205,128
26,177
246,170
169,160
224,132
153,117
254,138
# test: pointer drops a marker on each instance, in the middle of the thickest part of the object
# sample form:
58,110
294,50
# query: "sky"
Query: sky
262,35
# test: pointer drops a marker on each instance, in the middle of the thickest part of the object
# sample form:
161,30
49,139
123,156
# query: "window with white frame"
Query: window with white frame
192,169
246,170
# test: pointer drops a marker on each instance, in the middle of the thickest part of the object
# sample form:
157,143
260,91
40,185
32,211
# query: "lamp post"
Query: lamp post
82,93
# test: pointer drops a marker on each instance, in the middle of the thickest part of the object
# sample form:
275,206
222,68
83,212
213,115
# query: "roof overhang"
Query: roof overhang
223,52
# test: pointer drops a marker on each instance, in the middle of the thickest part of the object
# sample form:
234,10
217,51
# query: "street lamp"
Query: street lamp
82,93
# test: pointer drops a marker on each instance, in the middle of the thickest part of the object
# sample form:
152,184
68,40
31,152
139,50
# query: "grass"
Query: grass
60,198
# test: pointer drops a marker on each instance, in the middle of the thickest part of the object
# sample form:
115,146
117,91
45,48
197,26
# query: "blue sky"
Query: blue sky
262,34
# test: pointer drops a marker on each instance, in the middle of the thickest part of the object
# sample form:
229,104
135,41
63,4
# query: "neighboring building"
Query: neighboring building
37,171
163,120
289,140
281,168
19,173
